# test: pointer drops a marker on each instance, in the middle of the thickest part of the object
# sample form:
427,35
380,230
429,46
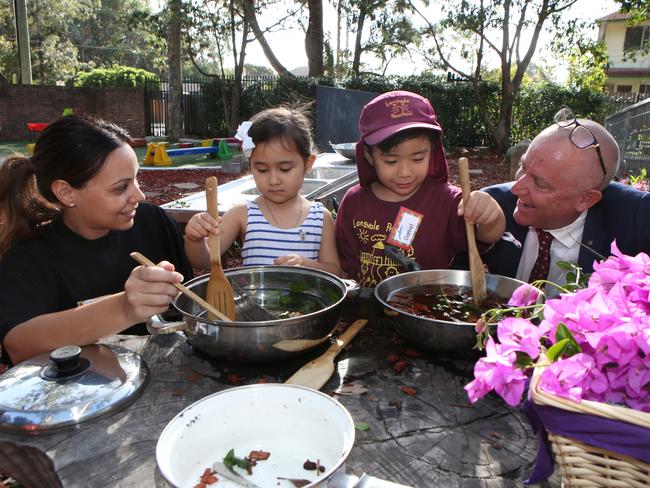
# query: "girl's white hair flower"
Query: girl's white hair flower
247,143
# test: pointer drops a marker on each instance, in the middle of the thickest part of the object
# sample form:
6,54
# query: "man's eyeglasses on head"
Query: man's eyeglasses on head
581,137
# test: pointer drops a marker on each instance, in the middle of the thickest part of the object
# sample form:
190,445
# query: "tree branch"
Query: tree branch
251,18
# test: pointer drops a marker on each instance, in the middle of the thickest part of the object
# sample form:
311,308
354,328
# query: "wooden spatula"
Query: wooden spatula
219,292
184,290
315,373
476,269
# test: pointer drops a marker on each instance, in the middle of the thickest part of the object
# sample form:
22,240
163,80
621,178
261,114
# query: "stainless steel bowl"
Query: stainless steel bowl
447,338
316,295
345,149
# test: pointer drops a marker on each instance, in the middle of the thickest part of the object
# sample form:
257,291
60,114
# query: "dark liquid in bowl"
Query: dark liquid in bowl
443,302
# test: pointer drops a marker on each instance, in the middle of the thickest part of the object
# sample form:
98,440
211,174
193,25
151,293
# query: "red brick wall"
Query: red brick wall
20,104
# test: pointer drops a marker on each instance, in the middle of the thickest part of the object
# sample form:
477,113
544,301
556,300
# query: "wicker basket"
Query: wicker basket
582,465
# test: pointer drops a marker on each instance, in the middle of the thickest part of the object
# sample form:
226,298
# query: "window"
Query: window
645,89
636,37
623,88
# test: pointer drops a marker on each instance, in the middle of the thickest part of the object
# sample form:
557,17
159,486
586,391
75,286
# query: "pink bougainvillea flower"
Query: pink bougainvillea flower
609,321
497,371
567,378
524,296
480,326
512,387
519,334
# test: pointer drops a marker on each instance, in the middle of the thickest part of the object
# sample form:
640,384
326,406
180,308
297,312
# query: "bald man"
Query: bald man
564,187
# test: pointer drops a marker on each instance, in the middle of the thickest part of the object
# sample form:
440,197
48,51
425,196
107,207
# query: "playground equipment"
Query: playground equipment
37,127
34,128
158,154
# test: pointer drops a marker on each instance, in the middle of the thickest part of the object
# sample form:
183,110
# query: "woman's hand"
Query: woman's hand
149,290
200,226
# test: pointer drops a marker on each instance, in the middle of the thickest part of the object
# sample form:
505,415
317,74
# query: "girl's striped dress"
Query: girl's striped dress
263,242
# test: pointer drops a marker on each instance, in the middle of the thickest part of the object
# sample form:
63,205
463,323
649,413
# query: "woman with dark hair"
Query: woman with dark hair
71,215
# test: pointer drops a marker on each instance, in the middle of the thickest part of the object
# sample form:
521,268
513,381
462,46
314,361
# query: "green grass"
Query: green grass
7,148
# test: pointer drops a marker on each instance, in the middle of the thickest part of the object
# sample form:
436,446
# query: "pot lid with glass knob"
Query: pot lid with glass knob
68,386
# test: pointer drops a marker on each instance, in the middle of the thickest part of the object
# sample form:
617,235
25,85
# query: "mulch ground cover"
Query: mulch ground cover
160,184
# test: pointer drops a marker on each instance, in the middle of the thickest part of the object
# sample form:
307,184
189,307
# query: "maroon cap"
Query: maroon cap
393,112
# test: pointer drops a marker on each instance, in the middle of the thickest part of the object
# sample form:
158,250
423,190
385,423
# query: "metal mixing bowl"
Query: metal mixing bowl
447,338
345,149
316,295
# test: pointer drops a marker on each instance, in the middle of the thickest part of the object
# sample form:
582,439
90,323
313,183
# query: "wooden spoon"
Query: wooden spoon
219,291
315,373
476,269
183,289
297,345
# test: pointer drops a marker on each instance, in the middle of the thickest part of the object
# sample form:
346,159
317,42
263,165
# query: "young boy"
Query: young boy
403,197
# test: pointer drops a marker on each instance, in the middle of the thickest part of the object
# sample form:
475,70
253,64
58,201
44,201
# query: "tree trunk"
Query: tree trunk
251,19
235,116
175,108
314,38
501,138
337,62
356,60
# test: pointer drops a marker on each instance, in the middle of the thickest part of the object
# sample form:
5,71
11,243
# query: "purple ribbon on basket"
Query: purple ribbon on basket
613,435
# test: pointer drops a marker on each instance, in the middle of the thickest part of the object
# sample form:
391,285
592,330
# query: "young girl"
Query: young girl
72,214
280,226
403,197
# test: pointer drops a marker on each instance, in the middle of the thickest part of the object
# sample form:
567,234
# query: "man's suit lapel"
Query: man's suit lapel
595,241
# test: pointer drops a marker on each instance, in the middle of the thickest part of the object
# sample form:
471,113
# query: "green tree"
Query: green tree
255,70
587,66
510,30
640,9
122,32
382,28
68,35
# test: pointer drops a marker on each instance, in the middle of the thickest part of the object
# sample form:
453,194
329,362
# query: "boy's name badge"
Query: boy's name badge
404,228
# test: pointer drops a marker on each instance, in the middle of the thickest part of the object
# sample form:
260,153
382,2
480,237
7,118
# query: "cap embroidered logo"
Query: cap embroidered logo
399,108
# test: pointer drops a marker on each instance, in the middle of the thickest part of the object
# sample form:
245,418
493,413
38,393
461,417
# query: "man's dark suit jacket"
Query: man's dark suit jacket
623,214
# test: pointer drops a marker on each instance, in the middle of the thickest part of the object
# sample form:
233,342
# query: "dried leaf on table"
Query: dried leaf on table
353,388
409,391
233,378
399,366
413,353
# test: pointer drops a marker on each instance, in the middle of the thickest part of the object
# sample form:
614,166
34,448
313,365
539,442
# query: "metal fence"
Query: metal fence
631,129
207,102
621,101
204,114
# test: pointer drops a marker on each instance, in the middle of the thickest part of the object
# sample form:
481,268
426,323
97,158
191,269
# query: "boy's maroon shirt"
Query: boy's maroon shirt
364,221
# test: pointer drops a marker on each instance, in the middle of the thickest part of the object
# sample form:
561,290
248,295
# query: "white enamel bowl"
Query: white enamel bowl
291,422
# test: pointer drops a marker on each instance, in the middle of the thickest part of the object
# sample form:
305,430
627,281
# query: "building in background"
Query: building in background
628,49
